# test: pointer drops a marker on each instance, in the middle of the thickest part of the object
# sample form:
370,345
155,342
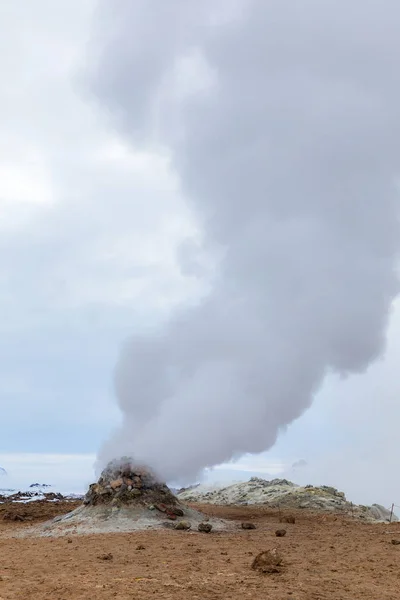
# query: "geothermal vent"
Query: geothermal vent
123,485
128,498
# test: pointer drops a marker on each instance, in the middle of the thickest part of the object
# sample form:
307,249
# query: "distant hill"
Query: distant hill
281,493
40,485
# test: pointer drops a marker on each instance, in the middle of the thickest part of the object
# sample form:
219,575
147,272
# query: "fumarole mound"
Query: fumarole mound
127,497
124,484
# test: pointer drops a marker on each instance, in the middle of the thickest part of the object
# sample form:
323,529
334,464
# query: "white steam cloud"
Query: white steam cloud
282,119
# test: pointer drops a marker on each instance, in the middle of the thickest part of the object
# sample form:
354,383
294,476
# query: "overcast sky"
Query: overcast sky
89,231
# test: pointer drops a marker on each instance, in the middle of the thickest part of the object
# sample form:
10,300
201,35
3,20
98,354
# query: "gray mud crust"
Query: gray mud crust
87,520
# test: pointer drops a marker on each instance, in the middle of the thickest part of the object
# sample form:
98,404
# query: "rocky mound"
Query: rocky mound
127,498
281,493
122,484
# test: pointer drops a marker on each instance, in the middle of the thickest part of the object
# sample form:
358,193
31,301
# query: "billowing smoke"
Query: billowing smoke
282,119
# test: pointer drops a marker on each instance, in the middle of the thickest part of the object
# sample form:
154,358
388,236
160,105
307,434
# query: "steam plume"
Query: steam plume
285,136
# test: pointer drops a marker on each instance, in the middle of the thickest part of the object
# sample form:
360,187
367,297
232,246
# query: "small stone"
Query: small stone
176,511
205,527
116,484
69,541
280,532
396,542
140,547
267,562
108,556
183,525
151,507
171,516
248,526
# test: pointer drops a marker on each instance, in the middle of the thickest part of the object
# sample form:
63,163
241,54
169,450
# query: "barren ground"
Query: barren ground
324,559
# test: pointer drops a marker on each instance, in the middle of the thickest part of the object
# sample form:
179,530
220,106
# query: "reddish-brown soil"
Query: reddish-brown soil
323,559
40,510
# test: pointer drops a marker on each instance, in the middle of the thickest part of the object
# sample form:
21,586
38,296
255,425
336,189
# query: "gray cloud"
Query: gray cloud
285,136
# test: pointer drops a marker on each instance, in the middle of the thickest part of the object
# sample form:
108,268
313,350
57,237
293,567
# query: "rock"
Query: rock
248,526
123,488
140,547
205,527
125,484
170,516
183,525
280,532
396,542
175,510
116,484
267,562
108,556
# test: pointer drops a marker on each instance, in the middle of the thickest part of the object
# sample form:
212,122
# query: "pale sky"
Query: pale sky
89,234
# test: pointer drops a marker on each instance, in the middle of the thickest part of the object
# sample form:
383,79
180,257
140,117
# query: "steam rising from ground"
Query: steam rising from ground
282,119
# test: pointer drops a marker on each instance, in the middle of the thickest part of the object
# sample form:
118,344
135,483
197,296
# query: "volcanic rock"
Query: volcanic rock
267,562
280,532
114,485
122,484
248,526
